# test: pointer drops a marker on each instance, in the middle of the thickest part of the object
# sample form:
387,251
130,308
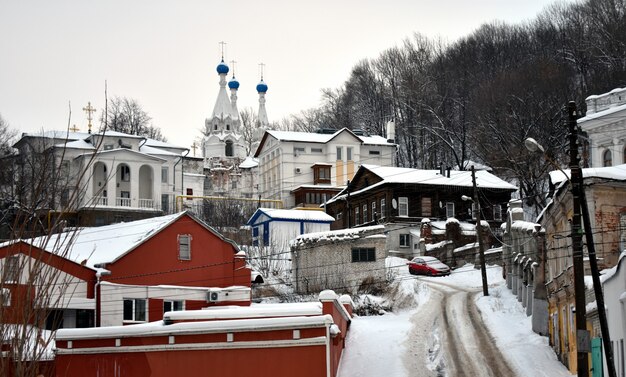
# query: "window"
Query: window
164,174
5,297
321,174
403,206
356,215
405,240
497,212
125,173
427,207
12,269
374,215
364,213
172,306
228,127
382,208
449,209
349,153
364,254
184,247
298,151
189,194
233,184
374,153
339,154
316,150
165,203
134,309
229,148
607,159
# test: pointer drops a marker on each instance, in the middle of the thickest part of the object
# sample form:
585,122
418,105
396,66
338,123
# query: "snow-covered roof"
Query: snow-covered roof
617,173
249,163
104,244
118,134
293,214
161,144
603,113
156,151
313,137
253,311
159,328
76,144
336,235
58,135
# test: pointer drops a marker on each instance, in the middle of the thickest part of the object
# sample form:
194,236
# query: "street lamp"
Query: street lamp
580,205
481,249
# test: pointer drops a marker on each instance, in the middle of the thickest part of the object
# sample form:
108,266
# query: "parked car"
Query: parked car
430,266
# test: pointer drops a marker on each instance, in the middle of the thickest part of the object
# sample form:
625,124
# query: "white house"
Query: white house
277,227
614,283
605,125
111,176
305,169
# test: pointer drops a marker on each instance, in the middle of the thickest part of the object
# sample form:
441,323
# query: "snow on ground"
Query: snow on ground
377,346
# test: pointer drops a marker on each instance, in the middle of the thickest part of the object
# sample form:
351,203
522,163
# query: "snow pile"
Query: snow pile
336,235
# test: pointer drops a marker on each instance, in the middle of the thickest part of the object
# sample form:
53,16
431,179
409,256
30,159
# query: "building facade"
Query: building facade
605,126
306,169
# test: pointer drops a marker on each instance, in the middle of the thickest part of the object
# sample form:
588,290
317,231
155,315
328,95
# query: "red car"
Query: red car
430,266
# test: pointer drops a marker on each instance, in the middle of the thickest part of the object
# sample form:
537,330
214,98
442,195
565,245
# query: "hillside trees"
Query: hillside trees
479,97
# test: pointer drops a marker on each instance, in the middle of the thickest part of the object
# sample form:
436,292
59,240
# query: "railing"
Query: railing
146,203
101,201
122,202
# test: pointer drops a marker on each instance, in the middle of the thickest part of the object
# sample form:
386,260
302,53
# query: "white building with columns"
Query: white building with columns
605,125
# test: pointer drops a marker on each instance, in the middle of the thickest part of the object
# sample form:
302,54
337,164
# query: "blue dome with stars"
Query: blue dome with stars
222,68
233,84
261,87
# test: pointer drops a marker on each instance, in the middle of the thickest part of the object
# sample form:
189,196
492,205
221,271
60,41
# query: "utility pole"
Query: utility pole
481,249
597,285
582,335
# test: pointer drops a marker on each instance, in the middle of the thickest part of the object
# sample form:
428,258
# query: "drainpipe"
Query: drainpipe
328,374
181,172
98,313
142,142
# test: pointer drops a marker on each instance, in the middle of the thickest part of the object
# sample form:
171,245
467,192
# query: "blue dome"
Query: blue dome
261,87
222,68
233,84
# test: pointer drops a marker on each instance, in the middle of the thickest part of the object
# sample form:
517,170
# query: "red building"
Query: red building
303,339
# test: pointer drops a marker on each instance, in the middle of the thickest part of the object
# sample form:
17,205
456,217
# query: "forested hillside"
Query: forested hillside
481,96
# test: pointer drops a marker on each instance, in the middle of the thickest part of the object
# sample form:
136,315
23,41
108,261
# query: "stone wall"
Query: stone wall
324,260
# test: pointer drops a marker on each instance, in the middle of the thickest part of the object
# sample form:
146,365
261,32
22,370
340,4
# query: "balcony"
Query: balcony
122,202
146,203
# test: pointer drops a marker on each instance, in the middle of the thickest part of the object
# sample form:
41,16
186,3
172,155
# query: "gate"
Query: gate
596,357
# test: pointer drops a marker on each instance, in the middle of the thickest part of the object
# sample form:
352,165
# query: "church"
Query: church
228,141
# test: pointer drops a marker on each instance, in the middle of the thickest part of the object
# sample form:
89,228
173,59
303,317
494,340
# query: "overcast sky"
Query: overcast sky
164,53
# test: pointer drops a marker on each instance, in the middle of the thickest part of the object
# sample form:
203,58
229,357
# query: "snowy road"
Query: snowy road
445,334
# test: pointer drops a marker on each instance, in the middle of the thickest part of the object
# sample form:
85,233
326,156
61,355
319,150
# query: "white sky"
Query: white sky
164,53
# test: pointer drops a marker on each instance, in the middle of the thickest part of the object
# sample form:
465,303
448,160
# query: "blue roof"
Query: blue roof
233,84
261,87
222,68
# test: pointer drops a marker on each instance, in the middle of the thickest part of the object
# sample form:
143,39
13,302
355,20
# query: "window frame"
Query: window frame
339,153
165,172
124,173
349,154
382,208
404,240
356,215
136,310
173,304
403,201
11,269
182,245
363,254
448,204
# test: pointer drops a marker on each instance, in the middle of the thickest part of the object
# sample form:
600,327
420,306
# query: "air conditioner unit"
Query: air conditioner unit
214,295
228,294
298,170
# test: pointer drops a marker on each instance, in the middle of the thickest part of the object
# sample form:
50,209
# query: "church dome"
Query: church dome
261,87
222,68
233,84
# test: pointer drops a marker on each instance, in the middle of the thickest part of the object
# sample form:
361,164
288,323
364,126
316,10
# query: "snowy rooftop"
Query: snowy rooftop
159,328
312,137
294,214
617,173
76,144
253,311
249,162
104,244
337,234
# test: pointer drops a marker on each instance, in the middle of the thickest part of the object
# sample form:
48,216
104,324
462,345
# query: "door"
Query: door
596,357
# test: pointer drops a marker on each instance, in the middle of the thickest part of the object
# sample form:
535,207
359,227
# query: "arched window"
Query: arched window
228,127
215,126
229,148
607,159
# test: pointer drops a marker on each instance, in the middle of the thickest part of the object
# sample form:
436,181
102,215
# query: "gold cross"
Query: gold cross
222,43
74,128
89,109
194,146
261,66
232,62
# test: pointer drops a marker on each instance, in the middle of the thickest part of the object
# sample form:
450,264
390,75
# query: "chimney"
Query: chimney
391,132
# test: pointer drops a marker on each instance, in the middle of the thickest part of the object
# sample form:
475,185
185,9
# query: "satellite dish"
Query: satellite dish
394,203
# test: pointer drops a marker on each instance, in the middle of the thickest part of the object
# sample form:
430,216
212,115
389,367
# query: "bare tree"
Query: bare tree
126,115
